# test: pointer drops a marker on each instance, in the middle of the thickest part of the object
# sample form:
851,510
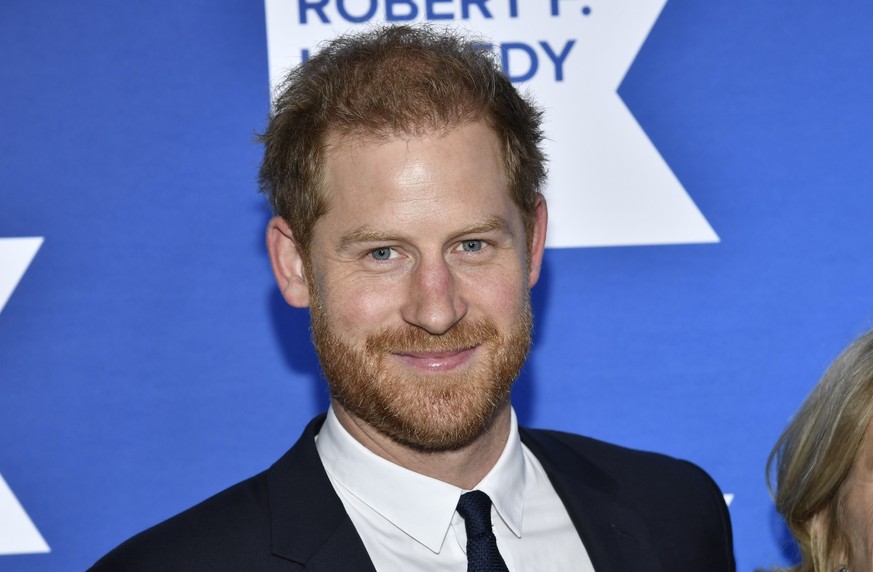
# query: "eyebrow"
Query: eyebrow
488,224
365,233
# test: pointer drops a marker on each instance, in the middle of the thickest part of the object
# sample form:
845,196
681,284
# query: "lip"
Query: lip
437,361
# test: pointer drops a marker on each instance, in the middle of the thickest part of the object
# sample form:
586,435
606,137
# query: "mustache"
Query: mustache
411,339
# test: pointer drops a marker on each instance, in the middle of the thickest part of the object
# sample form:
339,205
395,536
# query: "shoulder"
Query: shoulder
237,528
677,503
642,469
236,517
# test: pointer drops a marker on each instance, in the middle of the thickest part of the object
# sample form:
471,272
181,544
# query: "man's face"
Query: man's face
419,282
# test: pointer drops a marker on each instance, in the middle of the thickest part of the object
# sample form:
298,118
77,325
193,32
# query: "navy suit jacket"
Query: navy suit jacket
634,511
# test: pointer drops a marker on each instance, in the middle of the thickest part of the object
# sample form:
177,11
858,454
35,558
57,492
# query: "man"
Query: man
404,171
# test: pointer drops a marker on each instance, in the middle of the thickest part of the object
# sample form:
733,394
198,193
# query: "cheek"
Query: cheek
859,525
360,306
497,294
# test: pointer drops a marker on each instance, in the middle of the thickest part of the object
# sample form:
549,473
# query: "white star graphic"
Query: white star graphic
15,257
608,185
18,535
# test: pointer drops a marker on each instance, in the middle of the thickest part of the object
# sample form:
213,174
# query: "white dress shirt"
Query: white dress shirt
408,521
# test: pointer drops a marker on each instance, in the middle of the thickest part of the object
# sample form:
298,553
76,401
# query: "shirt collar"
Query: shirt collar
419,505
505,482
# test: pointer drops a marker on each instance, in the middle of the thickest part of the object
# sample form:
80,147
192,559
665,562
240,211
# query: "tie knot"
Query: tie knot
475,508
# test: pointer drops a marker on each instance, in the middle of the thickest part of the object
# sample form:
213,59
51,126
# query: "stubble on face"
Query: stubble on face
426,411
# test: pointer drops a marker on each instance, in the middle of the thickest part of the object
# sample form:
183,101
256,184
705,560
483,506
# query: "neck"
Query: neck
463,467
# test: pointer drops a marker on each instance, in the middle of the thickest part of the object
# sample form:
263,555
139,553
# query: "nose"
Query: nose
433,303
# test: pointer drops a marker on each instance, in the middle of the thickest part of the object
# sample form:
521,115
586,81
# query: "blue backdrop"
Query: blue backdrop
148,361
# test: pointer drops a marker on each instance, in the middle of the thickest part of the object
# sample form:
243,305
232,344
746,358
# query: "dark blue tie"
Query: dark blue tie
482,553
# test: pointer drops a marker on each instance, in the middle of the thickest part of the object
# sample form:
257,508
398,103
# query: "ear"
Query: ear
287,262
538,239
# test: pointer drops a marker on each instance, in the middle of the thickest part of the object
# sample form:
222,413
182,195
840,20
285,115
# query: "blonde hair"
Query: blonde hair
814,455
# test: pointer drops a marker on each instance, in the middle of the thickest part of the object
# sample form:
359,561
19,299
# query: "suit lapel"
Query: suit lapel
309,524
311,528
614,535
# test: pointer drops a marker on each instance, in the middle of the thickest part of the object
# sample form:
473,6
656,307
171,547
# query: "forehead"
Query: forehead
340,146
404,177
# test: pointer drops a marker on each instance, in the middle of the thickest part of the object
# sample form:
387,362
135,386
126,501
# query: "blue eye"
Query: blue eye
383,253
471,245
